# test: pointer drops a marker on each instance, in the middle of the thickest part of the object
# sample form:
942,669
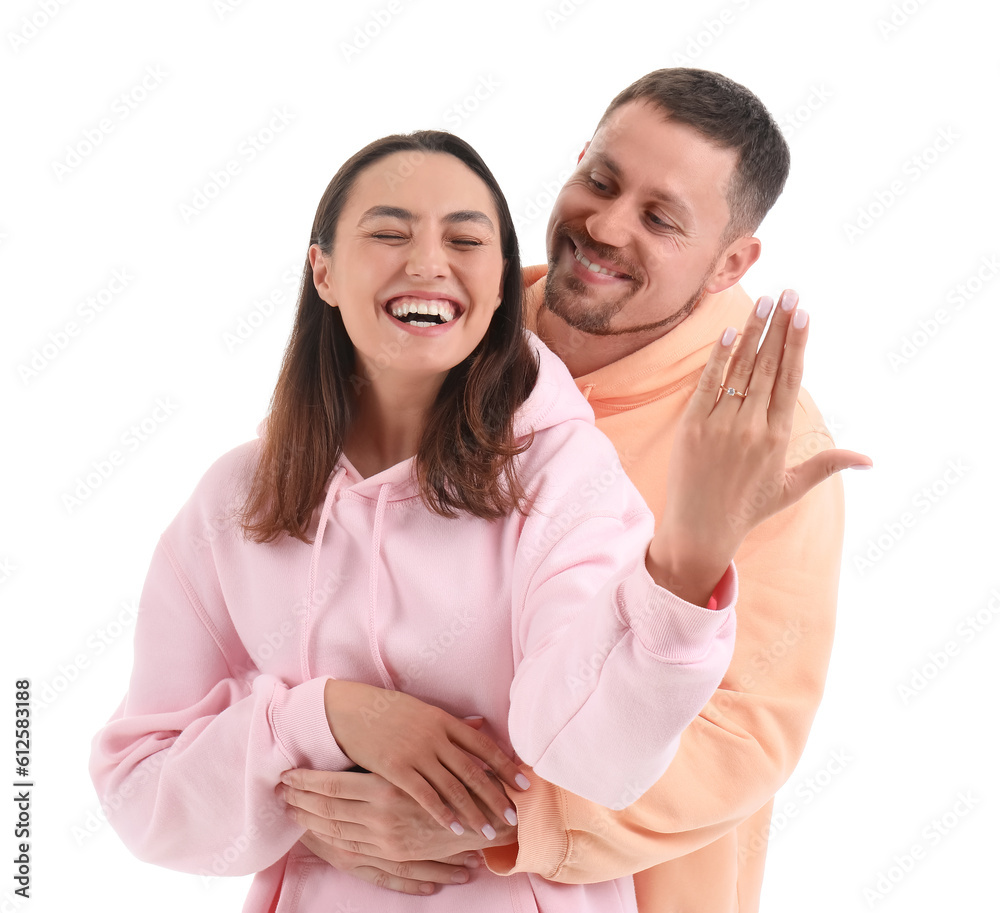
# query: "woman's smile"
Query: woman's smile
424,310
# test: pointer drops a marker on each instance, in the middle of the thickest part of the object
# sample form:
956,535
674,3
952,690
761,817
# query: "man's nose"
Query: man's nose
609,223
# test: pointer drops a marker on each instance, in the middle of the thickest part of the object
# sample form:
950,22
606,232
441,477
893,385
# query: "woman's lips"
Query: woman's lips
403,306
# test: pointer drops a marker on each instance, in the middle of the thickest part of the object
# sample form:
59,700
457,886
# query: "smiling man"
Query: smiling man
646,244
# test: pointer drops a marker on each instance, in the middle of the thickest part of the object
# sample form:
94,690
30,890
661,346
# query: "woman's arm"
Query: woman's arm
186,769
744,743
644,679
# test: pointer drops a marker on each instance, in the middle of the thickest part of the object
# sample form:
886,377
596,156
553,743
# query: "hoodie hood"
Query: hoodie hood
660,367
553,400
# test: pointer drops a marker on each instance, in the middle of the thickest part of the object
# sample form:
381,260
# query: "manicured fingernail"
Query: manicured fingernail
765,305
488,832
472,861
511,817
474,716
800,319
729,336
457,828
286,779
860,466
426,889
459,877
522,781
789,299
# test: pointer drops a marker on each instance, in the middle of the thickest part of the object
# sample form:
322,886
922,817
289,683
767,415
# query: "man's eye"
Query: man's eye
660,223
596,184
467,242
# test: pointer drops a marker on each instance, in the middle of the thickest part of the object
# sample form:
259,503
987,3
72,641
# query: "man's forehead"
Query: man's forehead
640,142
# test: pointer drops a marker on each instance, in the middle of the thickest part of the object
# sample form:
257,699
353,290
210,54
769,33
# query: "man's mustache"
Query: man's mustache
580,238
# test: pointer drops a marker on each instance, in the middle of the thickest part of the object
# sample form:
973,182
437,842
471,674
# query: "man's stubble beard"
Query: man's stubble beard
596,322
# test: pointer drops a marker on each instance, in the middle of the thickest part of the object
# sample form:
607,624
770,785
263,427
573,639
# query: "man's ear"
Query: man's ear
583,151
735,260
321,274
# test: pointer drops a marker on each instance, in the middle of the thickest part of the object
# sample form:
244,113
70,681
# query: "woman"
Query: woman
429,510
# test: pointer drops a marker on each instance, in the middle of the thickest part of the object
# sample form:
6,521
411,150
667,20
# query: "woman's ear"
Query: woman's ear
320,265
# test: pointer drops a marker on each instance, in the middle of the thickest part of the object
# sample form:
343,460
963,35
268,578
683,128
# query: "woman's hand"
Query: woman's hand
727,471
425,752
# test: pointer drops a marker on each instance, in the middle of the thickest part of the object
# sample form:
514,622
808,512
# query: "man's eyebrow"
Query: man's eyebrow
397,212
663,196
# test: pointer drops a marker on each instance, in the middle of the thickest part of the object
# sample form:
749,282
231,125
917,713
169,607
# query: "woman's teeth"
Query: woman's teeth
406,309
594,268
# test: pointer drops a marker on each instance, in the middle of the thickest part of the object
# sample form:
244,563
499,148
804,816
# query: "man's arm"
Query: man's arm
748,738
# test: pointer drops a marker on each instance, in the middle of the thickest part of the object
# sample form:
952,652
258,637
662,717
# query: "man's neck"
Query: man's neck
584,353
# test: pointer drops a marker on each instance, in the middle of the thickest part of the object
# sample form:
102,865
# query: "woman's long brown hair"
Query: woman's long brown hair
466,461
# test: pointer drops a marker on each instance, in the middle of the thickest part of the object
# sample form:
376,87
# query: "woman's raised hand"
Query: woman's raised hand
727,471
424,751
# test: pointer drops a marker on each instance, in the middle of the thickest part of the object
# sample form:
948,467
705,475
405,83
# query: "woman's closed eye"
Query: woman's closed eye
397,236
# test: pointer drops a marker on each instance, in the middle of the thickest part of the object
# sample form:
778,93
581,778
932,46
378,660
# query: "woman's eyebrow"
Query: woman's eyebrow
469,215
381,212
397,212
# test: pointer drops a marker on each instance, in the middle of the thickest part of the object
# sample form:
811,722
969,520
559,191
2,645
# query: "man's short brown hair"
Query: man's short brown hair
730,116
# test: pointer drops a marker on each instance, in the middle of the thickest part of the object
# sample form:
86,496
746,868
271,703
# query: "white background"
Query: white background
863,91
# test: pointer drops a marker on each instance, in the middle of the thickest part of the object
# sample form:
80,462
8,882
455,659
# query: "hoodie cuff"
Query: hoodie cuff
298,720
542,837
668,626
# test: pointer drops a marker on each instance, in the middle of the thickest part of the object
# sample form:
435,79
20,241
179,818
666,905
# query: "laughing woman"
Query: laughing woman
429,517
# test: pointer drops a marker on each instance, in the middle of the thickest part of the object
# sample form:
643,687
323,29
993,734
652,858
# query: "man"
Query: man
646,244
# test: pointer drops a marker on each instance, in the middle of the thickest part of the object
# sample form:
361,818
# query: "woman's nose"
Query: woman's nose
427,259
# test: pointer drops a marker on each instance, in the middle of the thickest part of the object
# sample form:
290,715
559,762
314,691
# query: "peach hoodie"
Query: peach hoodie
703,827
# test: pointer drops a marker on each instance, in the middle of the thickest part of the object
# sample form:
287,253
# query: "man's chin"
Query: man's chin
566,298
574,309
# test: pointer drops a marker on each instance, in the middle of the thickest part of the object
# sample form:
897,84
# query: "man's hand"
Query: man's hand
415,877
364,814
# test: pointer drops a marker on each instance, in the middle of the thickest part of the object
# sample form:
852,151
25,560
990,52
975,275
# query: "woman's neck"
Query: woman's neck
390,422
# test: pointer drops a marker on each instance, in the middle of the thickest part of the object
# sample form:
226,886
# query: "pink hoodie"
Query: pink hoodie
549,626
